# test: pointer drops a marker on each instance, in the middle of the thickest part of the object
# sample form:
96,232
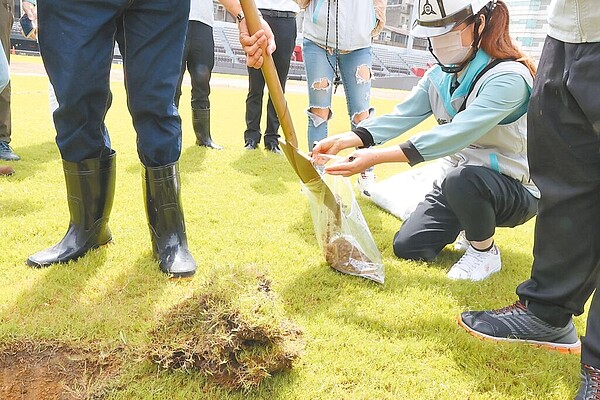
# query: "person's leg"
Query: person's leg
475,199
284,30
430,227
481,200
319,77
87,30
254,101
184,63
152,48
152,40
355,70
201,61
6,22
356,73
565,165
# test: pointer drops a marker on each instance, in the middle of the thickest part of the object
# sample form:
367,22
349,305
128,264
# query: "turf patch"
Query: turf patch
233,331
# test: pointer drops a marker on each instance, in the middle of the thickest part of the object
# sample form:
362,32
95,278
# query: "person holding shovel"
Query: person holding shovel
77,44
478,92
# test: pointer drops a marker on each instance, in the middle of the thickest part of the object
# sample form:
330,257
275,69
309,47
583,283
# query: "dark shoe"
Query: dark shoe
201,124
162,197
6,153
516,323
90,192
589,388
6,170
250,145
273,148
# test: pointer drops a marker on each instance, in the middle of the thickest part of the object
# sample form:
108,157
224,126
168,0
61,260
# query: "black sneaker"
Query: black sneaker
516,323
6,153
589,389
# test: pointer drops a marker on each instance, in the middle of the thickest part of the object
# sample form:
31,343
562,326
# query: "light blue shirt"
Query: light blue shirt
502,99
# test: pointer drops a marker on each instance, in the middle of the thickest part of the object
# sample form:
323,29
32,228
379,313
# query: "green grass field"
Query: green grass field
243,210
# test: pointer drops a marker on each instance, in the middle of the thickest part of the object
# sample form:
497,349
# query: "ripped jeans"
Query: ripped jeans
319,76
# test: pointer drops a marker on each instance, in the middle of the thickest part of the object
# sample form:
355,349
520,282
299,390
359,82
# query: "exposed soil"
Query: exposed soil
53,371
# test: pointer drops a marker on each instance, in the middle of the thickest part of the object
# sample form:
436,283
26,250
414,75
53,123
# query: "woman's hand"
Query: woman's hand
332,145
362,159
357,162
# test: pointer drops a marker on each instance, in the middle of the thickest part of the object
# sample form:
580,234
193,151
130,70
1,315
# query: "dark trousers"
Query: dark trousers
564,157
284,29
199,60
6,22
473,199
77,43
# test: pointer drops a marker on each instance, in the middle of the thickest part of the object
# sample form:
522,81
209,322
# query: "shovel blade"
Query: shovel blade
307,173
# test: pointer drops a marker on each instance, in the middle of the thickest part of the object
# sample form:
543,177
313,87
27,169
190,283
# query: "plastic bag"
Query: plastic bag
346,240
400,194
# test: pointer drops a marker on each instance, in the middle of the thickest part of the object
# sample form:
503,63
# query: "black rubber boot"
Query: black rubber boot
162,196
90,192
201,123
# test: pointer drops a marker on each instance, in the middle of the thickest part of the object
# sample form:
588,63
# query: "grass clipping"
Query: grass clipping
234,332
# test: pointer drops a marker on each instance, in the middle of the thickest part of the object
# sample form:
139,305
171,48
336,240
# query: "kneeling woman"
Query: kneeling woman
478,92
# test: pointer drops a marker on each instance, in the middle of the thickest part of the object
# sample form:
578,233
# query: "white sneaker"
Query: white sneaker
365,180
461,243
476,265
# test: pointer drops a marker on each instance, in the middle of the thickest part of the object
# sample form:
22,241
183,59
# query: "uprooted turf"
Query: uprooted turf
233,330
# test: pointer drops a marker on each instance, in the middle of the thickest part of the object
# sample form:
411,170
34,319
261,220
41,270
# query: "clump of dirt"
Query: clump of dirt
342,255
53,371
234,332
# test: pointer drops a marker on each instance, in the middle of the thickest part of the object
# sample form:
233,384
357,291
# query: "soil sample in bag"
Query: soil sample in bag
342,255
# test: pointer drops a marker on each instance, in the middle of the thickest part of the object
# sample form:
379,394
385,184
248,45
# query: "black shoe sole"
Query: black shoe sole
184,275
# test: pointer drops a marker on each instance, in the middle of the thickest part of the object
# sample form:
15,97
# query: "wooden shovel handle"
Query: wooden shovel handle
271,78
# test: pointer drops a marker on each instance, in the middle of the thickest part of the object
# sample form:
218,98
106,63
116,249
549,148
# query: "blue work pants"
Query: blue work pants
77,41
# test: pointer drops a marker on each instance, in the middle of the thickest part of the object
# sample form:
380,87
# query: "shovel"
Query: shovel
345,253
299,161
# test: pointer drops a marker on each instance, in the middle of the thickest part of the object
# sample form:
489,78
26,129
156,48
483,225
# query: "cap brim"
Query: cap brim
438,27
421,31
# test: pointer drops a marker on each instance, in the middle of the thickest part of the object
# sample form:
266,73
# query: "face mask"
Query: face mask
448,48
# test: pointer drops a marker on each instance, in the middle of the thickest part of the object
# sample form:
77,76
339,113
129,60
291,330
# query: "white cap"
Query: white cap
437,17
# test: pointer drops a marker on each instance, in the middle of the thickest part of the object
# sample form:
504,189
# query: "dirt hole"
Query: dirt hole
54,371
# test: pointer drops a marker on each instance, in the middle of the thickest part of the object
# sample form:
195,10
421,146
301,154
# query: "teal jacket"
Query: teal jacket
491,131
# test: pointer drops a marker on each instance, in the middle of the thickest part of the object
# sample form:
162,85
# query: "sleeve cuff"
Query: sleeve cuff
411,152
365,136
